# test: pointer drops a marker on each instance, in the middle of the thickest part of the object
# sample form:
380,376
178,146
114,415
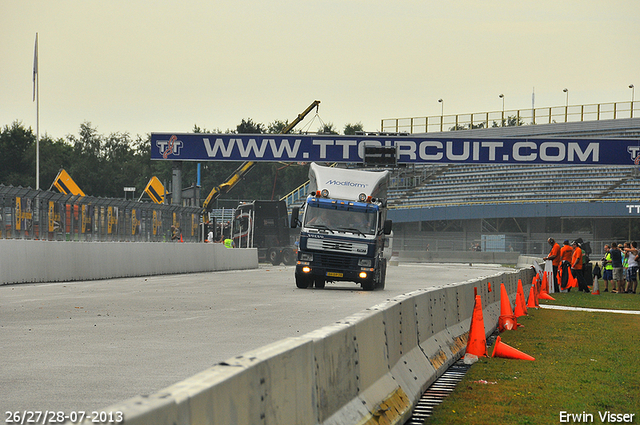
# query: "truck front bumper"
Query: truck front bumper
359,275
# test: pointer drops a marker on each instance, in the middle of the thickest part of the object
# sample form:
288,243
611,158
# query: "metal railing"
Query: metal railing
515,117
26,213
297,195
446,242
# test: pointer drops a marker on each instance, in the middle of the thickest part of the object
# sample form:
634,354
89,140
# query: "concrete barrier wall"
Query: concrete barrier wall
458,257
24,261
369,368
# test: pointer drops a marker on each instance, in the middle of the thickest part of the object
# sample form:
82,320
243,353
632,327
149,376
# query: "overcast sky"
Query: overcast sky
162,66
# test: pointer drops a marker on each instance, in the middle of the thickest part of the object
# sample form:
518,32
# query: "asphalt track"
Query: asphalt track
83,346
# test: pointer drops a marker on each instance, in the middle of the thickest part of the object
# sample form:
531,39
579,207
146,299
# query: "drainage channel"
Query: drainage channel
437,392
441,388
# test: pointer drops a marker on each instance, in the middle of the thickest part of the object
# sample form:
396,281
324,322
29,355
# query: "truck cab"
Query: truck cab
342,239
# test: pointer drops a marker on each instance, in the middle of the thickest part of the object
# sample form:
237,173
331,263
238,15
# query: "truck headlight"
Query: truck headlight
306,257
364,262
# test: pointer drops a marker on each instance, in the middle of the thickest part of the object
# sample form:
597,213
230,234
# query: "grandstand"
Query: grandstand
455,206
468,184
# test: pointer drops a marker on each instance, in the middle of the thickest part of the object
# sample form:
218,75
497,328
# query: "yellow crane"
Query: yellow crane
246,166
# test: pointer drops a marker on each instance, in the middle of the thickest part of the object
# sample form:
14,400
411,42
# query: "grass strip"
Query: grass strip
587,364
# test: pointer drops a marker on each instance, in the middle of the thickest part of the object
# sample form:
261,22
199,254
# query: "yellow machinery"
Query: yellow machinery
155,190
246,166
65,184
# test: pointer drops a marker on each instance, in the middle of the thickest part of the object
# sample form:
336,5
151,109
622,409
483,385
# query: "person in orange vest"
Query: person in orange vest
576,267
566,253
556,260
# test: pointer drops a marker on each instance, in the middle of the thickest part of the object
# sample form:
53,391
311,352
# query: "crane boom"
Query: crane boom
246,166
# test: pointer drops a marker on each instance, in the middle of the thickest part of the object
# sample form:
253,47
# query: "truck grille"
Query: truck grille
337,246
336,261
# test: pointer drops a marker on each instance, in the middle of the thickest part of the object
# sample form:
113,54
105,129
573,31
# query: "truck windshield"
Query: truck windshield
343,220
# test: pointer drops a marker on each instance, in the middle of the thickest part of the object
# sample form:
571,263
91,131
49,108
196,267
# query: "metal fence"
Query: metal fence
26,213
514,243
515,117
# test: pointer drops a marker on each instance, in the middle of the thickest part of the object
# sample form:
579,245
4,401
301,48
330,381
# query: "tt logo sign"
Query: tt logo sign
169,147
633,151
633,208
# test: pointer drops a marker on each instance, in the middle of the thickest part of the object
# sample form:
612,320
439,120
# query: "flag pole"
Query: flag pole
36,95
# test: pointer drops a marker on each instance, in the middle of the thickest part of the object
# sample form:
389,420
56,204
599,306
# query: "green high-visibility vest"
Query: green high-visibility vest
609,265
228,243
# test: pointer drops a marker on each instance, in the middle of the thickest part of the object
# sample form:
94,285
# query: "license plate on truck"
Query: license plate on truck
334,274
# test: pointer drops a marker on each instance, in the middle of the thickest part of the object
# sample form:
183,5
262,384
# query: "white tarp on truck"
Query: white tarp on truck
347,184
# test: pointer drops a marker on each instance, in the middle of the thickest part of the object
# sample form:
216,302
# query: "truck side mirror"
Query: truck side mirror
387,227
295,212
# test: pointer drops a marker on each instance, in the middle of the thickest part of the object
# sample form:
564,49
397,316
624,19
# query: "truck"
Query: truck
265,225
344,228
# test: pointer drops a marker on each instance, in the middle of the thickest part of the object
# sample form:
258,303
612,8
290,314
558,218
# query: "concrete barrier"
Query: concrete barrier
457,257
23,261
527,261
369,368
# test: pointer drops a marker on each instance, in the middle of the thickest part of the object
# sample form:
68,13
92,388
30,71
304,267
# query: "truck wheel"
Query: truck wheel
288,257
302,282
368,286
319,282
275,256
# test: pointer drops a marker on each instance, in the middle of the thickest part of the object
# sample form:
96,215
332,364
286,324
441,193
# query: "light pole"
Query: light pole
501,96
441,113
566,105
633,97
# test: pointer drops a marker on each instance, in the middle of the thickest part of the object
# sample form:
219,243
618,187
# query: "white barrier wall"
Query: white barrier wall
370,368
484,257
47,261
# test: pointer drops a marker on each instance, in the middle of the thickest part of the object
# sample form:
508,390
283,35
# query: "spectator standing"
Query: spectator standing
625,266
616,262
607,269
632,270
556,260
566,254
576,267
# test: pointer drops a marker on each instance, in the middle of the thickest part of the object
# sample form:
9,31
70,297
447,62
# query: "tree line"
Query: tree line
102,165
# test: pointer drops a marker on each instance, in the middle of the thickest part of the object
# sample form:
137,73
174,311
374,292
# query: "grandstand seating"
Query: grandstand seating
460,184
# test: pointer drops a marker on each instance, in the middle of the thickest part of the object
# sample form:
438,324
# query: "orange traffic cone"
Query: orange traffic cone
489,283
477,344
545,283
500,349
544,291
545,296
507,319
520,307
532,298
536,292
